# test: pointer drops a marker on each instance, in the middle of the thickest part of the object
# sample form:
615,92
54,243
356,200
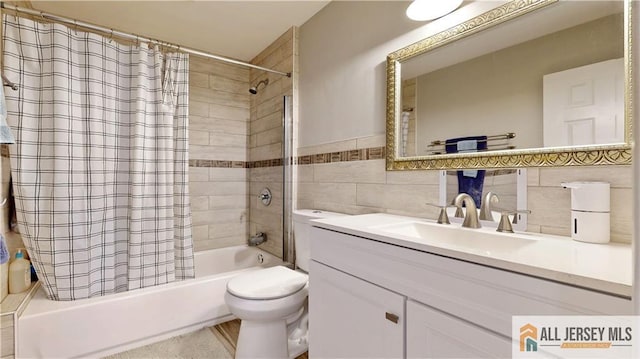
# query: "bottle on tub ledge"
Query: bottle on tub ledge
4,268
19,273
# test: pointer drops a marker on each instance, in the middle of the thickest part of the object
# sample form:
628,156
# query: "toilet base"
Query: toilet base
267,340
262,340
275,328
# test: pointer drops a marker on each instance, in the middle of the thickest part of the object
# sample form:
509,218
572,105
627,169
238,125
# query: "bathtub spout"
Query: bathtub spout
259,238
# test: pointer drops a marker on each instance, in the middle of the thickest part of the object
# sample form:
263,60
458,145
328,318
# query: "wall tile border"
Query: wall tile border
217,163
363,154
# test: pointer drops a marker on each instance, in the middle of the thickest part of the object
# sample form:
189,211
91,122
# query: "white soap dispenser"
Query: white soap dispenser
590,211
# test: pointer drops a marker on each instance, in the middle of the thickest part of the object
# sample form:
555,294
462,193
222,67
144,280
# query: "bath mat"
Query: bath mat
199,344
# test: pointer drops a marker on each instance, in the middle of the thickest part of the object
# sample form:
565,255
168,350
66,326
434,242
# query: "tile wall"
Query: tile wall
218,136
550,204
266,138
363,186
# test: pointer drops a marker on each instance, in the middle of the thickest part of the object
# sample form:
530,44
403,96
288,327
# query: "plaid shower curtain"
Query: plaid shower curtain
100,164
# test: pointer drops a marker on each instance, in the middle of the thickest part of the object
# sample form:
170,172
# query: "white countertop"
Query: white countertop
602,267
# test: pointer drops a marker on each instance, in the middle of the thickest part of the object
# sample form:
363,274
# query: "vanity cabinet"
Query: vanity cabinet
452,308
353,318
435,334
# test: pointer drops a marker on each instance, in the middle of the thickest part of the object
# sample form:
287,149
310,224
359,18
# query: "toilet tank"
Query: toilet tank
301,233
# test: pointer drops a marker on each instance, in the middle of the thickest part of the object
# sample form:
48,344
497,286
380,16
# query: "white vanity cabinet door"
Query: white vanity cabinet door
352,318
435,334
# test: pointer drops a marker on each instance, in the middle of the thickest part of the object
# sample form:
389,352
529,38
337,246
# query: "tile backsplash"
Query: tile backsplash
365,187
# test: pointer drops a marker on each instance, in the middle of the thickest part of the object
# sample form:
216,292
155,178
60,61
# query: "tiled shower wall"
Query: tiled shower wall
363,186
218,137
266,138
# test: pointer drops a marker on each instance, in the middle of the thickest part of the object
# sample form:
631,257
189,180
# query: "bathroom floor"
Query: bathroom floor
214,342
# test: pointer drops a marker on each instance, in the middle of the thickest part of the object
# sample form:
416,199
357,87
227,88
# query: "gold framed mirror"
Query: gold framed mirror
460,98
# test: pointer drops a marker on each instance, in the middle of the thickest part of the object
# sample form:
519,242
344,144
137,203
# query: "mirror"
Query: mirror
540,83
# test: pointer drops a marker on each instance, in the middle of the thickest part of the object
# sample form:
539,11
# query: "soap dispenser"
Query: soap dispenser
590,211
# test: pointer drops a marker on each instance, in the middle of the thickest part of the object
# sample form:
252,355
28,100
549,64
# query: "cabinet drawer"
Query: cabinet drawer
479,294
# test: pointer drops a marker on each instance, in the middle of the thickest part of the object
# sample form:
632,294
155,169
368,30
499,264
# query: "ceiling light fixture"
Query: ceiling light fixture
423,10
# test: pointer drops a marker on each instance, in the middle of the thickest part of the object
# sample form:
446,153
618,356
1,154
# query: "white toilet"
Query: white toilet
271,302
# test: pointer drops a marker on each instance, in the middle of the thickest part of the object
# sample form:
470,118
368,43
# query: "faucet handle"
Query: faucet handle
459,212
443,217
439,205
505,224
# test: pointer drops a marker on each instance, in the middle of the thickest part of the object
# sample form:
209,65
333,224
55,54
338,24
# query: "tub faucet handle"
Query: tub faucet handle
265,196
259,238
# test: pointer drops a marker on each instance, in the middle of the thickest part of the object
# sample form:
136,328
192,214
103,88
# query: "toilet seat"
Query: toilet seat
269,283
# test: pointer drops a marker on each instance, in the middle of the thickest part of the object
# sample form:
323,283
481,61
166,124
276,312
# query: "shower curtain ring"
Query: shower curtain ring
111,36
4,201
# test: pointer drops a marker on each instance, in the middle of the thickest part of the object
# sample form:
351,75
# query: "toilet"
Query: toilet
271,302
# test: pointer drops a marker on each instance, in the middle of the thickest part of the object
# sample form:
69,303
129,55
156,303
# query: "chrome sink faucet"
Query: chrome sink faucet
485,208
471,217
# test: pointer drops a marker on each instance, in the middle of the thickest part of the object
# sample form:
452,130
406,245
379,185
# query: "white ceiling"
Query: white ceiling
236,29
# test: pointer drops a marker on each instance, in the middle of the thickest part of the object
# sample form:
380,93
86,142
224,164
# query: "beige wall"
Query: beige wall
218,136
266,137
502,91
343,50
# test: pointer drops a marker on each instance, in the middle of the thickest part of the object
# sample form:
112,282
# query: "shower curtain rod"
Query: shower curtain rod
76,23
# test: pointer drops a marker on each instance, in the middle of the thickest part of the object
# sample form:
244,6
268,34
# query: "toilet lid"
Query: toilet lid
269,283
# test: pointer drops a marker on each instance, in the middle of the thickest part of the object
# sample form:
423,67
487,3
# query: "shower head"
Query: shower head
254,90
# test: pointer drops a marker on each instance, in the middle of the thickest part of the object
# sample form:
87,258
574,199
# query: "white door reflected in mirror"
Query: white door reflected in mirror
584,105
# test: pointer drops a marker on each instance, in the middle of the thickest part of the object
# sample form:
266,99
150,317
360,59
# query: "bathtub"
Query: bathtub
107,325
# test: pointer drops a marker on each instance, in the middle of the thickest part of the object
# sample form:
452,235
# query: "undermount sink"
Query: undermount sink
455,236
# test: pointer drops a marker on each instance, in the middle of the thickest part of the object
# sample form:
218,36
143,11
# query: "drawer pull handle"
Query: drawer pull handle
391,317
